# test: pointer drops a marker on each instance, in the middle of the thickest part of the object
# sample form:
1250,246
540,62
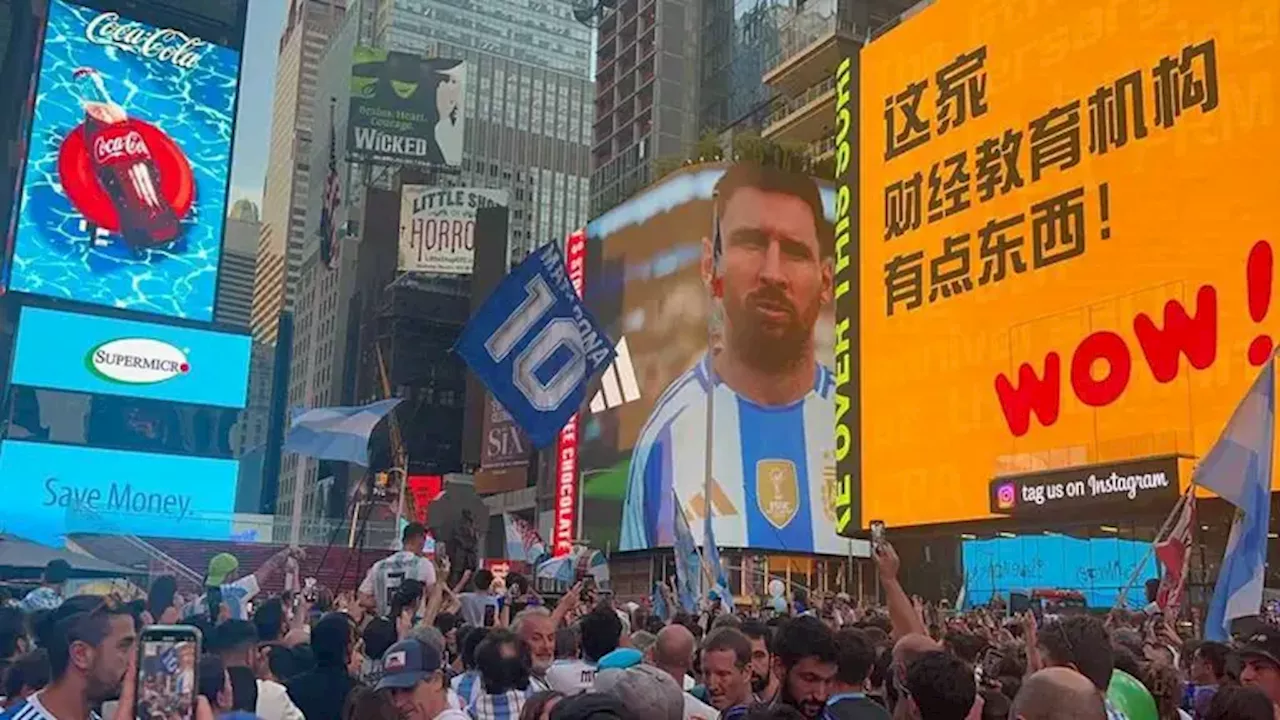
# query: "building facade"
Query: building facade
234,302
528,101
319,359
740,40
646,103
307,30
527,105
813,40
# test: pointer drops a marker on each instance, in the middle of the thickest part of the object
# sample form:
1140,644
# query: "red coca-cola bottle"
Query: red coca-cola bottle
124,166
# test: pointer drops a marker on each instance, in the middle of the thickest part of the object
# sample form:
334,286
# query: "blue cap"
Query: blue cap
408,663
620,659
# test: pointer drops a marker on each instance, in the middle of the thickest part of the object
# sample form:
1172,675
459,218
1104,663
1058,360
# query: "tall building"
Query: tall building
647,67
740,39
527,105
528,102
813,41
321,296
234,301
307,30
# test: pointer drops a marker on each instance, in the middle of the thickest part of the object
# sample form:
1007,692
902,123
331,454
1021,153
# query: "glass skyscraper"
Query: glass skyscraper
740,42
529,98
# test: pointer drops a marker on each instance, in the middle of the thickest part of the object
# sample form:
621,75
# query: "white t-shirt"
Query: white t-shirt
695,709
274,702
235,595
386,575
570,677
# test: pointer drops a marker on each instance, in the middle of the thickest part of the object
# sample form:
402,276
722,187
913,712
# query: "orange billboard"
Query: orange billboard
1064,242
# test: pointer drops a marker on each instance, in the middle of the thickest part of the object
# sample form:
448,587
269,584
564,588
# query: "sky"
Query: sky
257,80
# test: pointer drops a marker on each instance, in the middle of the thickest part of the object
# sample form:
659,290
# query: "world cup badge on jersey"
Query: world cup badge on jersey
830,489
777,491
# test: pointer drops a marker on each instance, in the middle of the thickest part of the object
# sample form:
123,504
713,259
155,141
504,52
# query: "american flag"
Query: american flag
329,245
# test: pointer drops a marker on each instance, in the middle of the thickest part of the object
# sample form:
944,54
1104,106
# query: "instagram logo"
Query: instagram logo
1006,496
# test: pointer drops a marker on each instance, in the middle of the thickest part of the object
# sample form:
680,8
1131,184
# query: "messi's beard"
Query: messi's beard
767,346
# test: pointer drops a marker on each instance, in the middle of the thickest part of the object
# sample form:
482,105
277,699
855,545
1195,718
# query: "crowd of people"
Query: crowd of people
408,646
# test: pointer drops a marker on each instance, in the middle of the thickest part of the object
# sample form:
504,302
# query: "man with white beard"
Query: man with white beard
537,626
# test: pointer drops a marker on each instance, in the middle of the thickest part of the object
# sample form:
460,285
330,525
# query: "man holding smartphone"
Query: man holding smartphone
91,654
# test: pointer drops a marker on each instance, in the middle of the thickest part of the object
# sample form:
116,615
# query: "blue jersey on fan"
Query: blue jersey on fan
773,468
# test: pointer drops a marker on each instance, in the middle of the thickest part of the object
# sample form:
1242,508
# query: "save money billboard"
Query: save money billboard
124,193
1065,244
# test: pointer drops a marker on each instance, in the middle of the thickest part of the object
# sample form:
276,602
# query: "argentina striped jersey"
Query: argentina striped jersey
773,468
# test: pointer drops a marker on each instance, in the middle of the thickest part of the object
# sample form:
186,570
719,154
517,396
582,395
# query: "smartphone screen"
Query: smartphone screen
490,615
991,663
167,682
877,533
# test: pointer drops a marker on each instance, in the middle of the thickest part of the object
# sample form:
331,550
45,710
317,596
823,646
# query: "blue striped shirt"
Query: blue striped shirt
33,709
468,687
505,706
775,466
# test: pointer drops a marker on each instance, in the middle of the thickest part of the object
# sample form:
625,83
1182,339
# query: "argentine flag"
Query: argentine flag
337,433
1238,469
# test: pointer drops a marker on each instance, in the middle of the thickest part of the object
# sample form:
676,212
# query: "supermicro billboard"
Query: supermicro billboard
93,354
125,187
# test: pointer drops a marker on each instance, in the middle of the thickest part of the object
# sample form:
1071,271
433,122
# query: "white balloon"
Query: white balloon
776,588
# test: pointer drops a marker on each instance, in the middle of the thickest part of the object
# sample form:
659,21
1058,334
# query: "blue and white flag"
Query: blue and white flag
1238,468
715,568
524,544
535,346
658,599
337,433
688,563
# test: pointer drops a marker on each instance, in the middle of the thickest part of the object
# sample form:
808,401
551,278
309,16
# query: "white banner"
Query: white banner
437,227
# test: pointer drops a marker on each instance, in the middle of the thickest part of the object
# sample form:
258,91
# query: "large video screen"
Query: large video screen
52,490
1059,267
125,189
645,432
95,354
1097,567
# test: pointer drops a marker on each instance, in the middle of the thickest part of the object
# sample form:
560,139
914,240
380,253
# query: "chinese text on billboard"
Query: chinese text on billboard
1062,273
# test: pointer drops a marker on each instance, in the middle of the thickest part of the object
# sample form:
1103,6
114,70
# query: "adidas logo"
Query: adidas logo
618,384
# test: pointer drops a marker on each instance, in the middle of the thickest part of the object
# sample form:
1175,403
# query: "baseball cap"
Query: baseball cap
408,663
620,659
1263,644
648,691
220,566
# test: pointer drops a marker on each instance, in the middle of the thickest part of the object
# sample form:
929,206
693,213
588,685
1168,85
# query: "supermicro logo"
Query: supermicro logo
137,361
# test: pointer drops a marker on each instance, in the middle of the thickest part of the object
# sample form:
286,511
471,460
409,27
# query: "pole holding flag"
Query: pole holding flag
1238,468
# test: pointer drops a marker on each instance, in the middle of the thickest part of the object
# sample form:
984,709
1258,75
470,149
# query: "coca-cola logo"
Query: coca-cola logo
127,145
166,45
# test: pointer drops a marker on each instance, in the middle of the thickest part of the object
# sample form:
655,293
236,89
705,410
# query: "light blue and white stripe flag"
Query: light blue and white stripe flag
1238,468
715,568
337,433
688,561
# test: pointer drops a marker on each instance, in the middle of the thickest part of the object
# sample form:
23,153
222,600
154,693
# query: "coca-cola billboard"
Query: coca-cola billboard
124,190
